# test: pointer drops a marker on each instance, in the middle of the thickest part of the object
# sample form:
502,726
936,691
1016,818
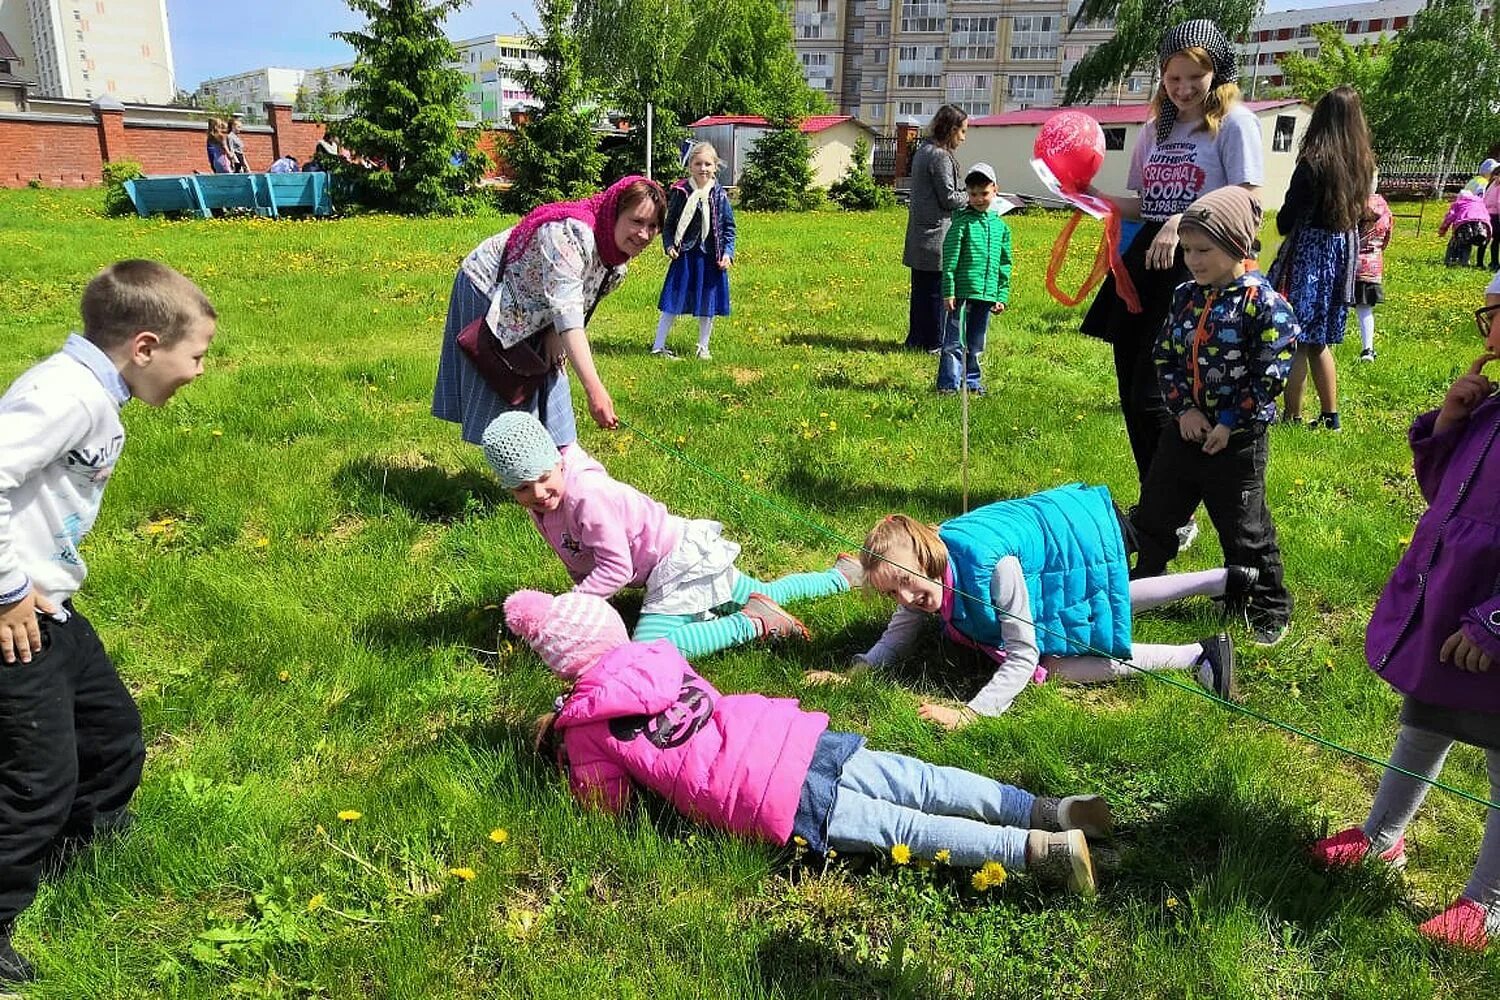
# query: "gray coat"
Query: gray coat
936,191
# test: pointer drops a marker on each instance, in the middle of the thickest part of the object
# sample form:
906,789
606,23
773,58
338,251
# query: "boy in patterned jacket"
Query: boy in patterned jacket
1222,358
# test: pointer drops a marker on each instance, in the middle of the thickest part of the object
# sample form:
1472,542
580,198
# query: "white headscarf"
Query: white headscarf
697,197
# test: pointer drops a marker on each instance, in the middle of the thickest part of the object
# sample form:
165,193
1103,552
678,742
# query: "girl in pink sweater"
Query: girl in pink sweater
611,536
763,768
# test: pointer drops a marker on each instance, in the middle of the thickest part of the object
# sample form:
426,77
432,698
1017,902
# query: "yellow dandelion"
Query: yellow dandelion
832,854
901,854
262,542
318,829
1405,540
980,881
316,903
350,815
833,425
467,874
499,834
941,857
994,873
218,433
1171,902
800,840
283,677
1299,482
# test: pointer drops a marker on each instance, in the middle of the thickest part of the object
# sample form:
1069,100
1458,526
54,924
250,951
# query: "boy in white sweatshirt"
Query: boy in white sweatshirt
71,749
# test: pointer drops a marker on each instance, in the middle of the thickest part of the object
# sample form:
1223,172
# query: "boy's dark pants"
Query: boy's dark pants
1232,487
71,754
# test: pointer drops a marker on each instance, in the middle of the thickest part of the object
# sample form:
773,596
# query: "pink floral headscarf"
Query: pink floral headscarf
598,212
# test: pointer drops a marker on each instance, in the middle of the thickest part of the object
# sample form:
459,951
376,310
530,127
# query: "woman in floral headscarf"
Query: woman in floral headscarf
1200,138
537,283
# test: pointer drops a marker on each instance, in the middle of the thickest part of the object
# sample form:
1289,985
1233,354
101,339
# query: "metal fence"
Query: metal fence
883,165
1418,173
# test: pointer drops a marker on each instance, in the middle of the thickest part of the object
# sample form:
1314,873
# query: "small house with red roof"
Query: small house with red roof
1005,141
832,138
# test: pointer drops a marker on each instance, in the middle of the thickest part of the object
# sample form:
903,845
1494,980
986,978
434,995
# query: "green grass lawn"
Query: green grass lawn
298,572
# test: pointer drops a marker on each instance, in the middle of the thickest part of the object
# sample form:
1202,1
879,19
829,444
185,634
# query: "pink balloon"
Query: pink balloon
1071,143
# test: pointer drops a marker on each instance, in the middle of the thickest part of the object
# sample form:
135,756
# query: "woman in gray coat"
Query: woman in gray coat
936,191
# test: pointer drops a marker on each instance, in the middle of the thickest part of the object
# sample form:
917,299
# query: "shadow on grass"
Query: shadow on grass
833,341
791,966
428,492
832,494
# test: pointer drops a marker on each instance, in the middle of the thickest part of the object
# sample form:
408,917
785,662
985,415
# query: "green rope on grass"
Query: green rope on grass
1154,675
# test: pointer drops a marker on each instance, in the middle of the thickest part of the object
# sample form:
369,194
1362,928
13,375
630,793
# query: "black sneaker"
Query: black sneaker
1218,653
1268,633
14,969
1236,596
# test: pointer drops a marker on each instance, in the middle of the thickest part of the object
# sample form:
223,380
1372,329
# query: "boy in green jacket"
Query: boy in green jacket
976,280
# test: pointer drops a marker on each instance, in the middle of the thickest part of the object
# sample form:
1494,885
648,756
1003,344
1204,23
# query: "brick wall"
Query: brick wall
71,150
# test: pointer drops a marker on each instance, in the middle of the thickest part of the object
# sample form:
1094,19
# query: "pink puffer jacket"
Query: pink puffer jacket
642,714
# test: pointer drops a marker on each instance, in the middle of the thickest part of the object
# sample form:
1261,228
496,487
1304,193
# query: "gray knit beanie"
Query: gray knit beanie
1230,217
519,448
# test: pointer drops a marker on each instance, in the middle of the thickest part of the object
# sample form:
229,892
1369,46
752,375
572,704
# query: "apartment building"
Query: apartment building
886,61
1272,36
89,48
250,91
492,65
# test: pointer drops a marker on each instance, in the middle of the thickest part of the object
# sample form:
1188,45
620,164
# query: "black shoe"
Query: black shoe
1218,653
1269,632
14,968
1242,580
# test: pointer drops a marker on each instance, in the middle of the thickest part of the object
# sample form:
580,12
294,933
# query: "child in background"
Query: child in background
611,536
1435,637
699,237
976,281
1223,358
764,768
1491,201
1470,223
71,749
1041,586
1369,278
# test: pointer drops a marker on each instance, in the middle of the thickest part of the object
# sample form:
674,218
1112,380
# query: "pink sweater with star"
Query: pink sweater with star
609,535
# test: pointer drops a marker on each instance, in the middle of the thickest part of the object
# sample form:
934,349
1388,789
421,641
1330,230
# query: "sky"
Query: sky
212,38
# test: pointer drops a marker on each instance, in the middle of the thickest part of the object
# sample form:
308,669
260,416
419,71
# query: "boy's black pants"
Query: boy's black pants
71,754
1232,487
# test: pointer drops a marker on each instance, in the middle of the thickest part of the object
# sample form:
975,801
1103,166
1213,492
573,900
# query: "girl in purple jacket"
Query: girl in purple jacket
765,769
611,536
1435,637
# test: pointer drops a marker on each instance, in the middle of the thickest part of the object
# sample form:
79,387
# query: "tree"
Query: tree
753,69
326,100
404,109
778,171
302,101
857,190
1138,29
1441,86
554,154
1338,64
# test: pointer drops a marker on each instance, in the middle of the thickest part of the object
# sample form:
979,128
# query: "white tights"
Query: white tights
664,327
1366,316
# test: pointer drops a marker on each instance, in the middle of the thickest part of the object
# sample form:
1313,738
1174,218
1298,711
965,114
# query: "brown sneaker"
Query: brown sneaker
1061,857
771,620
849,568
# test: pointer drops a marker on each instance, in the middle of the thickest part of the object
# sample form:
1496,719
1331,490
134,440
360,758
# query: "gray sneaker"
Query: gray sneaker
772,621
1061,857
848,566
1187,535
666,353
1089,813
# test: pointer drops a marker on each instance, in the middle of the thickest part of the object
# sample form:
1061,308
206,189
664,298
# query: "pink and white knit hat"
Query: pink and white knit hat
569,632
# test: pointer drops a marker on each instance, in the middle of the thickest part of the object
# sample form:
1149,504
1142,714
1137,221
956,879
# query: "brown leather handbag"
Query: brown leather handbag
515,372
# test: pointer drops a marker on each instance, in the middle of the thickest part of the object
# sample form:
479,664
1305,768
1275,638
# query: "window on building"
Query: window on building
923,15
972,39
1135,85
1114,137
1033,36
1029,89
911,109
1281,138
1304,31
1398,23
77,14
1377,24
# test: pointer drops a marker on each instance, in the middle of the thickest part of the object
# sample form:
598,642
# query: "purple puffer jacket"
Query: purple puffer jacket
736,762
1450,575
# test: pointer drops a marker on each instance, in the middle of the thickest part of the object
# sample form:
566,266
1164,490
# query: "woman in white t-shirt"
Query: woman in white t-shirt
1199,139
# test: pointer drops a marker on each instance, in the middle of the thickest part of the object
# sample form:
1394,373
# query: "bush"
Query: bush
116,201
857,191
778,172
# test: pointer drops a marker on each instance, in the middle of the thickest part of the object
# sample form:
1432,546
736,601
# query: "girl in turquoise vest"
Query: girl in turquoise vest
1041,586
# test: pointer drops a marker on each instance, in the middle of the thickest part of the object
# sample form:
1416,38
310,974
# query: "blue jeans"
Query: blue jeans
886,799
963,351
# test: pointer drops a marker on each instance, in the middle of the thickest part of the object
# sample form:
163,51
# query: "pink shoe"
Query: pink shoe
1348,848
772,621
1460,926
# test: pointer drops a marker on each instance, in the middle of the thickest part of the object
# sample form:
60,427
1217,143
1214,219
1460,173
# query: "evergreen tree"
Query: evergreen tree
326,100
302,102
554,155
1139,25
778,171
404,109
857,190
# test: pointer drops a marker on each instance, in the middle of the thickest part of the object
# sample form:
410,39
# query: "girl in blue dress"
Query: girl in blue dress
699,237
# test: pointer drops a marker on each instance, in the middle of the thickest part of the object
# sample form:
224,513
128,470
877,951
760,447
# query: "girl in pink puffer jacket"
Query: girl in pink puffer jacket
763,768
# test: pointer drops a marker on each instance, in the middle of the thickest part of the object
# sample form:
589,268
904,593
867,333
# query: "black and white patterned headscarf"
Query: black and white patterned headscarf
1199,34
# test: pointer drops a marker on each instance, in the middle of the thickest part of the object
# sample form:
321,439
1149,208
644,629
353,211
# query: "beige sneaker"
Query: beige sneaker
772,621
1089,813
1061,857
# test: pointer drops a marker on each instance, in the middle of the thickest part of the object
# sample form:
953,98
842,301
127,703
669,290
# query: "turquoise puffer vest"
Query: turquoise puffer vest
1073,557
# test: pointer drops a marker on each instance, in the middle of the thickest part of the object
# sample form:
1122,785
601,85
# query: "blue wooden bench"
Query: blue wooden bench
265,194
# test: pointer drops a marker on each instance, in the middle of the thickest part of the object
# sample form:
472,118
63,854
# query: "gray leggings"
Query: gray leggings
1396,802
